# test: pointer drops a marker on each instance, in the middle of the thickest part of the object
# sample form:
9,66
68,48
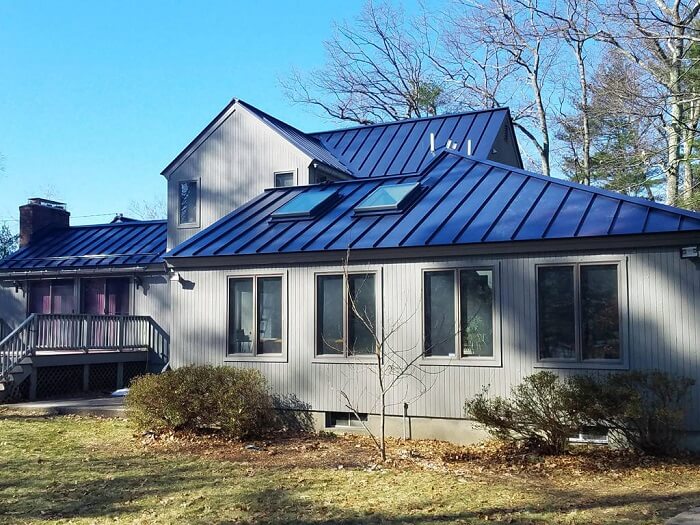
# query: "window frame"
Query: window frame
255,356
496,360
292,172
197,221
345,357
622,363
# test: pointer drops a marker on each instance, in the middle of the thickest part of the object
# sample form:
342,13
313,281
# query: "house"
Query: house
292,252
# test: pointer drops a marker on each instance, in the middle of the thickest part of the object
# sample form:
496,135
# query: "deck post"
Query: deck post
32,384
120,334
86,333
34,335
86,377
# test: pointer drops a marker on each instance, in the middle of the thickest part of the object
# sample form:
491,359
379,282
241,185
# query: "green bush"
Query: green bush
538,412
645,408
233,401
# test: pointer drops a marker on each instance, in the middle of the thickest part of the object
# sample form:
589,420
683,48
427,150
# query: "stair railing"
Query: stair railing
17,345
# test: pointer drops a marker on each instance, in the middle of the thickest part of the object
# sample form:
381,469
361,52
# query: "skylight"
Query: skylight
390,197
306,204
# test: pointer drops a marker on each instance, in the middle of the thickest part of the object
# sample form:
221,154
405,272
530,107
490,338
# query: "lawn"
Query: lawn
84,470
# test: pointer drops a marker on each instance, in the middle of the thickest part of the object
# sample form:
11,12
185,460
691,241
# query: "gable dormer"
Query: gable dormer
242,152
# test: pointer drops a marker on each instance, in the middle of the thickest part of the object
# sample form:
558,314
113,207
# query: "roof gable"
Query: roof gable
95,246
463,201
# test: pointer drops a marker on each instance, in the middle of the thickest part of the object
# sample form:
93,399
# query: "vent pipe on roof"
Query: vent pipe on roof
432,143
469,147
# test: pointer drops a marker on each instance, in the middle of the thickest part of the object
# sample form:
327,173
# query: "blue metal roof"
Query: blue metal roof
403,147
306,143
463,201
129,243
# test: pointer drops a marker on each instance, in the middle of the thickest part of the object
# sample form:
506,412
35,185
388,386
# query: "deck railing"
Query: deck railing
78,332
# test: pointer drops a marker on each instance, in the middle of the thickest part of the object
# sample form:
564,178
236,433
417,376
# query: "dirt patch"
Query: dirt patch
352,451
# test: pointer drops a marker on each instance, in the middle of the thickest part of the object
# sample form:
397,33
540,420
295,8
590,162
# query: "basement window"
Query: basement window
307,204
388,198
591,434
345,420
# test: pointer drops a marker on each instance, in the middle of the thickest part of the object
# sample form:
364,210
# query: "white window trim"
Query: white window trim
344,357
295,177
494,361
198,200
255,357
622,296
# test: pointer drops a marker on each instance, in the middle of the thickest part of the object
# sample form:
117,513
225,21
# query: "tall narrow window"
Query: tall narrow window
255,315
458,314
270,315
187,202
440,320
284,179
600,314
579,312
361,315
346,315
557,317
476,312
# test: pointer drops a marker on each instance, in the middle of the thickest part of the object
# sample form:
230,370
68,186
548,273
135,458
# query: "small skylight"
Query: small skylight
306,204
390,197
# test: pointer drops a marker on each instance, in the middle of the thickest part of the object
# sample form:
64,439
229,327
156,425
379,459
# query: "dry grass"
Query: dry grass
84,470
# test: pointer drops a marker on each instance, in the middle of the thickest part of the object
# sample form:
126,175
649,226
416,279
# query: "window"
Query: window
255,302
389,197
284,179
458,314
344,419
346,315
306,204
187,202
578,312
105,296
51,297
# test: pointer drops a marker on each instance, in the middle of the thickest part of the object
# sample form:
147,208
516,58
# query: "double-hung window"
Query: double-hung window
255,324
459,313
346,314
578,312
187,203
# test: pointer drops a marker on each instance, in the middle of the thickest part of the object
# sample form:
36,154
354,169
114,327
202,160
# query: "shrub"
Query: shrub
233,401
645,408
539,412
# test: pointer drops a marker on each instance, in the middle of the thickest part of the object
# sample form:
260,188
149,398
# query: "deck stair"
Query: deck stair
63,338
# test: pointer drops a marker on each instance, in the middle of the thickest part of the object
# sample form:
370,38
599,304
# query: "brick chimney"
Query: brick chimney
39,216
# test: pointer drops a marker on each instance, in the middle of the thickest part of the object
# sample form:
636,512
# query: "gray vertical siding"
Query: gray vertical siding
233,165
13,305
660,305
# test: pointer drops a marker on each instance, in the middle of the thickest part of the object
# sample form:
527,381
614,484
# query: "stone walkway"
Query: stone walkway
86,406
691,517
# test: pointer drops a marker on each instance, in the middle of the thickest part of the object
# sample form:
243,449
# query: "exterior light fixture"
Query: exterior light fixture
690,252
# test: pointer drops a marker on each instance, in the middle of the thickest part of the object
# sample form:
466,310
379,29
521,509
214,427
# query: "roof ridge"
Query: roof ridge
413,119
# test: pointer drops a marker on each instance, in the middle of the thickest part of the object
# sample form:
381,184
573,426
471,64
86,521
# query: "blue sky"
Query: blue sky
97,97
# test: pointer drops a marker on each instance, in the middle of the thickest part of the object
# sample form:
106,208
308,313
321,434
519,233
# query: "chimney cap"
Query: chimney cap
38,201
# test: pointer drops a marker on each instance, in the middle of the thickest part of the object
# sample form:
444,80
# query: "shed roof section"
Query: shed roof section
462,201
403,147
132,243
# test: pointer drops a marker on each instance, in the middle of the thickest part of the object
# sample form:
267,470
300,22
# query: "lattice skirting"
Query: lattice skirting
132,371
56,381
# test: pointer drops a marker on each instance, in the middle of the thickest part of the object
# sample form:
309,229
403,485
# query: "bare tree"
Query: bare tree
501,52
376,70
152,209
656,35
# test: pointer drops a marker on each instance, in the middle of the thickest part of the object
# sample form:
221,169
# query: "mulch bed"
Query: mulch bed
352,451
